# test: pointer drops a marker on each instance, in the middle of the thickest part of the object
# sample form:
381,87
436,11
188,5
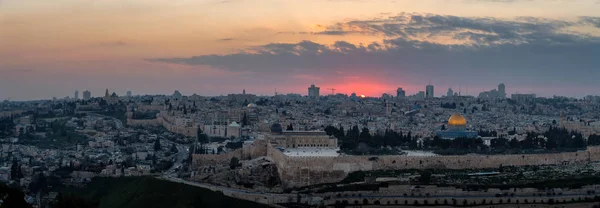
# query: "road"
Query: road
260,197
182,154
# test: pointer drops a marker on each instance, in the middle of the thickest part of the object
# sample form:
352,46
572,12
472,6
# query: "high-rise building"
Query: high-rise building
502,90
429,91
400,93
129,93
87,95
450,92
313,92
76,95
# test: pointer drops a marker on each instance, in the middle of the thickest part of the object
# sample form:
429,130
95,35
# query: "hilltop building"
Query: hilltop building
112,98
313,91
300,139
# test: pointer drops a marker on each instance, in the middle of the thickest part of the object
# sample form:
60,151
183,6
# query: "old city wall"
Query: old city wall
302,171
187,131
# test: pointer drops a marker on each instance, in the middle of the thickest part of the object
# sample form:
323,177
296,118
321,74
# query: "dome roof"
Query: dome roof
457,120
252,105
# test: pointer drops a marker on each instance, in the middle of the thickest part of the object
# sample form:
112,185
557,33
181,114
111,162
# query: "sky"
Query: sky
216,47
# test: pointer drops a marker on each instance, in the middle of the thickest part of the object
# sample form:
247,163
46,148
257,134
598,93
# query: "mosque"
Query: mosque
456,128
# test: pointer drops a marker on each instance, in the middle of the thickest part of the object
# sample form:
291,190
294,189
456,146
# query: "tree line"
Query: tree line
554,139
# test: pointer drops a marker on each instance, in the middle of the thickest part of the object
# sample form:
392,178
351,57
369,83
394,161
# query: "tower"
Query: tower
106,93
87,95
502,90
76,95
429,91
313,91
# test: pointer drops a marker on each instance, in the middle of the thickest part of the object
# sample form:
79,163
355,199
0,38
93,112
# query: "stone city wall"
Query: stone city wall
187,131
302,171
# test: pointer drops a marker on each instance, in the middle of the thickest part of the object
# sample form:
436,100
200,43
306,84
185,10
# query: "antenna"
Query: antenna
275,91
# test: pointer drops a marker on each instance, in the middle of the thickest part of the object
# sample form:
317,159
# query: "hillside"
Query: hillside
148,192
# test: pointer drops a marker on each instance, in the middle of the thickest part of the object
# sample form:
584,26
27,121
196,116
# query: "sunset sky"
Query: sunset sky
213,47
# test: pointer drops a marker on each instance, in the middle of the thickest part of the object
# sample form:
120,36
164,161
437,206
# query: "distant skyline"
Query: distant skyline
213,47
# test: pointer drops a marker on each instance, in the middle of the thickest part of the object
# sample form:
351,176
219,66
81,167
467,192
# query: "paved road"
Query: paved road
260,197
182,154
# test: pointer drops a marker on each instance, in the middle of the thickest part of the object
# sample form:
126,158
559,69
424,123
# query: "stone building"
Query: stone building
300,139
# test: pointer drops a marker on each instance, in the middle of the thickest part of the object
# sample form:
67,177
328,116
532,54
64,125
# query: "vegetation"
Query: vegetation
57,135
362,142
144,115
234,162
147,192
12,197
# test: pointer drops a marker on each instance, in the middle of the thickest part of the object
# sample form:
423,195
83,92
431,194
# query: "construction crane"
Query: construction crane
332,90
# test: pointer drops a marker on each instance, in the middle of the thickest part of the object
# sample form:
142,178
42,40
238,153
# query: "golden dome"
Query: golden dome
457,120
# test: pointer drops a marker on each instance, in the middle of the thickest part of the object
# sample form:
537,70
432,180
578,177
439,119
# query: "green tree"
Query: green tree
156,145
425,177
244,120
15,170
234,162
174,148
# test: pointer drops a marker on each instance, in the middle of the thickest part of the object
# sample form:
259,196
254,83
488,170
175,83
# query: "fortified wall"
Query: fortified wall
167,122
304,171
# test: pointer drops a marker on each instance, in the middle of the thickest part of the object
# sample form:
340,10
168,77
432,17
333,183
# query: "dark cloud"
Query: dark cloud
537,49
595,21
226,39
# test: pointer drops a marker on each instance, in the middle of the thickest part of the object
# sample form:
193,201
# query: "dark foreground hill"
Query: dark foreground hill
148,192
